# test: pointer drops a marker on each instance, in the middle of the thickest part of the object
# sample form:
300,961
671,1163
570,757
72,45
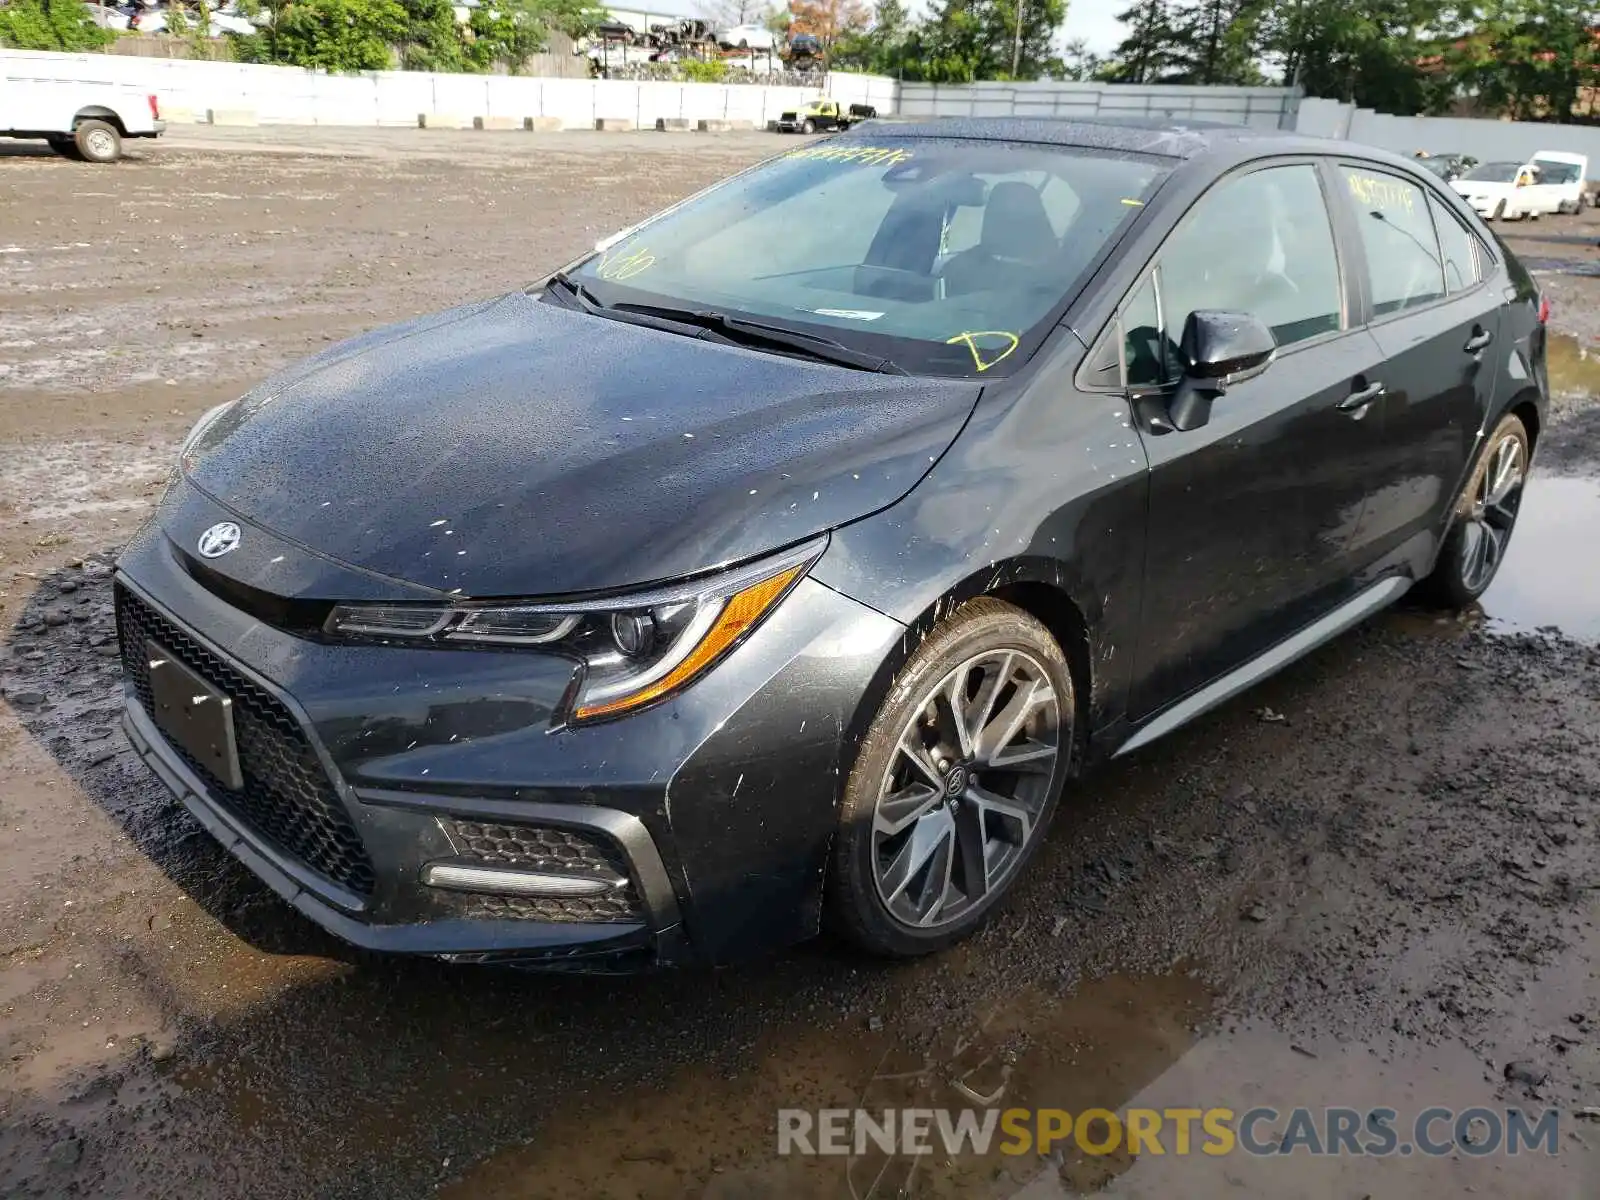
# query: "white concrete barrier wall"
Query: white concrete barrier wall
290,95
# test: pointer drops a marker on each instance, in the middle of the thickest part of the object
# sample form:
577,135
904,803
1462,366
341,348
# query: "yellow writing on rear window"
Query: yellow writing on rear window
1382,194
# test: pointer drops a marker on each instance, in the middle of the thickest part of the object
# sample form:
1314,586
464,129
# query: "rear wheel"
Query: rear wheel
97,141
1484,519
955,783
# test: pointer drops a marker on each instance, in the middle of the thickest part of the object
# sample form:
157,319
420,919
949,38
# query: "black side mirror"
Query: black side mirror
1219,349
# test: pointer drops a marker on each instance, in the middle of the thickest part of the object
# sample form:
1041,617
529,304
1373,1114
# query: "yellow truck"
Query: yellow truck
823,114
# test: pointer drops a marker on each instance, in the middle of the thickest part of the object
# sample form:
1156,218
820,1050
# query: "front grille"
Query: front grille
544,848
287,797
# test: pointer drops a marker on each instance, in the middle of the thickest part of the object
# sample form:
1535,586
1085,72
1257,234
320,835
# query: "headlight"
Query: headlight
635,649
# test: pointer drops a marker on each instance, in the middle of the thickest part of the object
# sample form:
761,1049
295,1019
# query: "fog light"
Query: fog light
464,878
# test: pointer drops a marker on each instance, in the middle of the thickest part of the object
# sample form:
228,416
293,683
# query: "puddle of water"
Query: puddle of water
1561,266
713,1135
1574,368
1551,576
1257,1067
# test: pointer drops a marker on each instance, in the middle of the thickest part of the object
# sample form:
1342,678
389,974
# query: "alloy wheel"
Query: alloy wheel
961,799
1489,521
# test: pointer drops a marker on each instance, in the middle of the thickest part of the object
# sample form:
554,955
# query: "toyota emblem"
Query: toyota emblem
219,540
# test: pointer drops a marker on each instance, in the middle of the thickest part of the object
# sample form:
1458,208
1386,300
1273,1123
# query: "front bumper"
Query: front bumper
716,806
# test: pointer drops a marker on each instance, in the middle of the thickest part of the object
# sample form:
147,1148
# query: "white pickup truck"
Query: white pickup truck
82,117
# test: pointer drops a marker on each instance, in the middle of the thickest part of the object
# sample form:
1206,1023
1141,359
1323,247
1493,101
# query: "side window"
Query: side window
1402,252
1259,243
1456,249
1143,346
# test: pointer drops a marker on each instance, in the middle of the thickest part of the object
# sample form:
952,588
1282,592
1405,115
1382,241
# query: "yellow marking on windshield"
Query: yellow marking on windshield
1380,193
1133,203
618,265
970,340
851,152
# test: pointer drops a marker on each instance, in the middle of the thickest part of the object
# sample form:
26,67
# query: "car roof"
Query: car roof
1138,135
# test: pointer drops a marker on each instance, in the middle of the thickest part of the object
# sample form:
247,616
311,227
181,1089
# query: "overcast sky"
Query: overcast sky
1095,21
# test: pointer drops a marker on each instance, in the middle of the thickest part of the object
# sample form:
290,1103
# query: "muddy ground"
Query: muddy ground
1372,880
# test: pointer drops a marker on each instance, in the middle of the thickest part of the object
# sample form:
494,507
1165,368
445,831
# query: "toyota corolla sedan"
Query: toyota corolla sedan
778,563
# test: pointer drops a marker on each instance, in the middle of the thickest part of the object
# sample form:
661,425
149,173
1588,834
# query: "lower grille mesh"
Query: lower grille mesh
287,797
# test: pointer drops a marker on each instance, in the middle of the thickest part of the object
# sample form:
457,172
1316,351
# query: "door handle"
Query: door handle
1356,402
1479,339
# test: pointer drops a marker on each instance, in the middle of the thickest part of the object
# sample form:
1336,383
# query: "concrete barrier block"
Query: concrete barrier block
494,123
174,114
674,124
613,124
541,124
725,126
231,116
441,121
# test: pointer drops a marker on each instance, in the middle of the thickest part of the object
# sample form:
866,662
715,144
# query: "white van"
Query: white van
86,118
1563,178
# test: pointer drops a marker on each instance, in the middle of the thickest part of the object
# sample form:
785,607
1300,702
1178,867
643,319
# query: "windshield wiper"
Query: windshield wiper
723,328
759,334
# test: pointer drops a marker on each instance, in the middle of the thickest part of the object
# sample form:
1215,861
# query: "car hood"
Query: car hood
1482,187
517,448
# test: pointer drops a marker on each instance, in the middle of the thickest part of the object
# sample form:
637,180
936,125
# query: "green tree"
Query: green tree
51,25
335,35
507,32
1218,42
1369,52
1155,47
968,40
431,40
1527,59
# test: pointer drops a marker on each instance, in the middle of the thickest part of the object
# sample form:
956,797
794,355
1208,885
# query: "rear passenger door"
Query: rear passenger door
1251,514
1436,320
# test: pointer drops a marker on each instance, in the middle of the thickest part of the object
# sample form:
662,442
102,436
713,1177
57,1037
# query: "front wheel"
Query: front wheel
97,141
955,783
1484,519
808,126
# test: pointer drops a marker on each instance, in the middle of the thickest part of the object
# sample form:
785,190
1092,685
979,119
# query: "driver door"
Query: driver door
1251,514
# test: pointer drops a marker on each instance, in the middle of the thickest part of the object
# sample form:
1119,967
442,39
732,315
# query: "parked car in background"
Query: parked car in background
85,118
1447,167
1505,191
781,559
108,18
746,37
1565,176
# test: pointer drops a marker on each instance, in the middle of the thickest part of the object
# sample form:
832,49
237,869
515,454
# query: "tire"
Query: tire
901,880
97,142
1499,213
1459,575
808,126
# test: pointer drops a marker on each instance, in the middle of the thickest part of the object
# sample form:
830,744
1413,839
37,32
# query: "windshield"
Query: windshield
1439,166
946,256
1551,171
1494,173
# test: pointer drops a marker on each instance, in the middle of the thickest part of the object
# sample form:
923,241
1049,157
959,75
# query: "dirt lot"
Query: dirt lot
1371,880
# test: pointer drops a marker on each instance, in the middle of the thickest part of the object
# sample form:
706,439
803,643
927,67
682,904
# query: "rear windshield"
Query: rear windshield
948,256
1494,172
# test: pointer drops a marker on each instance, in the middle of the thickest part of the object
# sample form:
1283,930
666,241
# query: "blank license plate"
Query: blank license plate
194,715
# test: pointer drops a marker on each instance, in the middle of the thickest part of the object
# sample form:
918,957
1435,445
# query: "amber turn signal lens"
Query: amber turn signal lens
742,611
